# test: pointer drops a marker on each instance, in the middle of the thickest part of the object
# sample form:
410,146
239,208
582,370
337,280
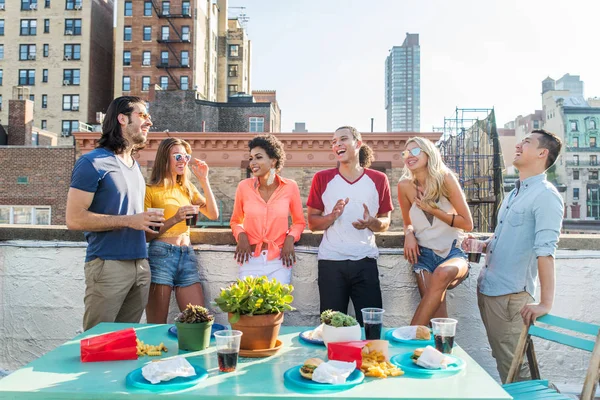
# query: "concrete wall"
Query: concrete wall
42,286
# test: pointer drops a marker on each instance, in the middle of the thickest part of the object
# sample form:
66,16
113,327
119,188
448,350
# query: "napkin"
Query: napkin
334,372
317,333
433,359
166,370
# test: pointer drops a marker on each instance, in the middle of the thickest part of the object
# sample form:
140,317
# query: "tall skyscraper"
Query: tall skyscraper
403,86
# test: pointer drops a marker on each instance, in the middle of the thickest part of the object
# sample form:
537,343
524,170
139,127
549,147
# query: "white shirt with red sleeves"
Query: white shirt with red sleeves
342,241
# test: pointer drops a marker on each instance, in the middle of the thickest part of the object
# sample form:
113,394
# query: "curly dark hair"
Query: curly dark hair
112,137
272,146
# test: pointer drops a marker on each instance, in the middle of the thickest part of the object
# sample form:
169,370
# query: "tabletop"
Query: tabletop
60,374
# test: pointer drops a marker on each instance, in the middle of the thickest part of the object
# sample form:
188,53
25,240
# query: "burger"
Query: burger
416,354
423,333
309,367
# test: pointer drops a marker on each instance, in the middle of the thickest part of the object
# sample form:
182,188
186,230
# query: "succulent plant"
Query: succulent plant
194,315
337,319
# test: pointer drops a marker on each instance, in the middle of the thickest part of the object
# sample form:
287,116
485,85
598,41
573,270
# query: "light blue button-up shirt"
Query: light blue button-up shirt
528,227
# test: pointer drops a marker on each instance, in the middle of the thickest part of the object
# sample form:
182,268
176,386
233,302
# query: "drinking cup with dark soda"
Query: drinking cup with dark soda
228,349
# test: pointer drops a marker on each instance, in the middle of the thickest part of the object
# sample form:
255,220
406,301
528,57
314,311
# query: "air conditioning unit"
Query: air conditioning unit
67,58
2,7
66,82
185,64
65,133
74,108
78,6
33,6
146,63
185,37
69,32
31,57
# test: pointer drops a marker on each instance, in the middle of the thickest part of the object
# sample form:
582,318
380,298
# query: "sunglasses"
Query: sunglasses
145,116
414,151
182,157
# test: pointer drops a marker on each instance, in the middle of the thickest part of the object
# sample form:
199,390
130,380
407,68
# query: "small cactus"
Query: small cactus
337,319
194,315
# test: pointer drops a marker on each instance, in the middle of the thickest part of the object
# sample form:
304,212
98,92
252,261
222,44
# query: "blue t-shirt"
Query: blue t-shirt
118,190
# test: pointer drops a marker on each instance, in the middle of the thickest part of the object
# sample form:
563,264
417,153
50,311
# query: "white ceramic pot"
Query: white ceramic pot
341,334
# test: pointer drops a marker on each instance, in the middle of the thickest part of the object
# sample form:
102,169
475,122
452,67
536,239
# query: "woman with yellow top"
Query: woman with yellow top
171,258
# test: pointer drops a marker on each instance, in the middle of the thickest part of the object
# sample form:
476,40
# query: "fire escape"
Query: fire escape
166,12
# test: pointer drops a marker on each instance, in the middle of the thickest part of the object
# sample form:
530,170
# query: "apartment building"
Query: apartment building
61,51
235,56
172,44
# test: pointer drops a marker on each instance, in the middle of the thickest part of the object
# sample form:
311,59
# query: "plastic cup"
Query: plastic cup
228,349
160,211
373,322
444,330
474,248
192,218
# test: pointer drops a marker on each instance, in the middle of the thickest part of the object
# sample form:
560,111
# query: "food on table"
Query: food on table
374,364
430,358
416,354
149,349
309,367
423,333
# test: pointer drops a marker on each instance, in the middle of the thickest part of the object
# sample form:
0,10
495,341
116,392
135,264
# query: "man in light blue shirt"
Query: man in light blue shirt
521,250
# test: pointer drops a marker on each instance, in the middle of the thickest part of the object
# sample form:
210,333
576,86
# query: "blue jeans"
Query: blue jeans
172,265
429,261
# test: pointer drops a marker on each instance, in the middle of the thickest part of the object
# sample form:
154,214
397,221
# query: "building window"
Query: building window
592,141
185,8
145,83
0,102
147,36
27,52
46,51
594,175
185,33
27,77
185,58
164,82
28,27
45,75
44,124
1,52
70,102
575,142
233,70
46,26
234,50
166,7
27,5
127,58
573,126
72,52
2,27
592,124
257,124
73,4
1,76
25,215
184,83
575,160
164,58
32,97
71,77
576,175
146,58
128,9
594,160
127,33
73,27
44,101
536,124
126,83
164,32
147,9
69,126
47,4
575,193
232,89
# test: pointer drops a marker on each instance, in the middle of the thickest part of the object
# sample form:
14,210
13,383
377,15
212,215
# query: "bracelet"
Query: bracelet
452,223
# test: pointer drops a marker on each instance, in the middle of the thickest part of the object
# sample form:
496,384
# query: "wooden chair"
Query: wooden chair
538,389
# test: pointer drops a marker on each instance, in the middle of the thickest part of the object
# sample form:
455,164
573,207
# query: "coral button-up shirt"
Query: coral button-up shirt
267,222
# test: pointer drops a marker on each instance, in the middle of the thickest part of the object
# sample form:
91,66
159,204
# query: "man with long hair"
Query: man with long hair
106,201
521,249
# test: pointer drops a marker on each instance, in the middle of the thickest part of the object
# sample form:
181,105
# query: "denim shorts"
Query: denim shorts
429,261
172,265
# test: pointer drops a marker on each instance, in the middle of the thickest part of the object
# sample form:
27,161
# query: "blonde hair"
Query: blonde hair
161,176
436,169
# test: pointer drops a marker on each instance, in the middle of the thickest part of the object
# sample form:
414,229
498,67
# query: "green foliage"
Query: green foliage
255,296
194,315
337,319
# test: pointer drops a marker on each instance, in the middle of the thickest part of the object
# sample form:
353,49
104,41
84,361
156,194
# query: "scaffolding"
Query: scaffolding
470,147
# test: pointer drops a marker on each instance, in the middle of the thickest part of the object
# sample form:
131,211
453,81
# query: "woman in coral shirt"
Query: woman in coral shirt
265,240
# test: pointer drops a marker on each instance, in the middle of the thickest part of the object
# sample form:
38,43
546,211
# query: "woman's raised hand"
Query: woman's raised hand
199,168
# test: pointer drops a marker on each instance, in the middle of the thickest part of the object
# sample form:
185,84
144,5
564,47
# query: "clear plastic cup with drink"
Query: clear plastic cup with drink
191,218
160,212
444,330
373,322
228,349
474,248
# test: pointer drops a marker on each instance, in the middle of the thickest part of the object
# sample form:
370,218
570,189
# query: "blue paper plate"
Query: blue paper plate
135,379
305,338
293,376
215,328
416,342
407,365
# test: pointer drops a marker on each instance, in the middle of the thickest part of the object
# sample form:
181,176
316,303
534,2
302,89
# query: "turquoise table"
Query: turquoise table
60,375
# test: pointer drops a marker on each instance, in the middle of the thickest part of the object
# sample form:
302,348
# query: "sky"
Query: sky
326,58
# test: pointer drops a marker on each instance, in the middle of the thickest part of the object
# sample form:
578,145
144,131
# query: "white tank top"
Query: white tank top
437,235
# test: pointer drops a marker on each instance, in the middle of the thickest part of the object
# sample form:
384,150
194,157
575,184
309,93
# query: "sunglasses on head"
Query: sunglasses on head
182,157
414,151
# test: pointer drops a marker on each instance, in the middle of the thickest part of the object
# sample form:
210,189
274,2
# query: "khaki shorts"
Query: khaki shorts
115,291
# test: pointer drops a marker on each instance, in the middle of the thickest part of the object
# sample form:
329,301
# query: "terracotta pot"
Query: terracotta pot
341,334
259,331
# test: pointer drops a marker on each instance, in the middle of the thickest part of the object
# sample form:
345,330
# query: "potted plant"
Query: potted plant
194,327
256,306
339,327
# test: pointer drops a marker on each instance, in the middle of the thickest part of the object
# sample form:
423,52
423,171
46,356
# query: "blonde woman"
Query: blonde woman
171,257
435,215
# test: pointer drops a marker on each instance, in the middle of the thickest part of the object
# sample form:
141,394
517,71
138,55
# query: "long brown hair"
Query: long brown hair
365,153
161,176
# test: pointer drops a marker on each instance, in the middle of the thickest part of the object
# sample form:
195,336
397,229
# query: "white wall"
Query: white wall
42,286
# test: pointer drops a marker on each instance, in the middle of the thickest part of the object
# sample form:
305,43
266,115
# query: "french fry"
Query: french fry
150,350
